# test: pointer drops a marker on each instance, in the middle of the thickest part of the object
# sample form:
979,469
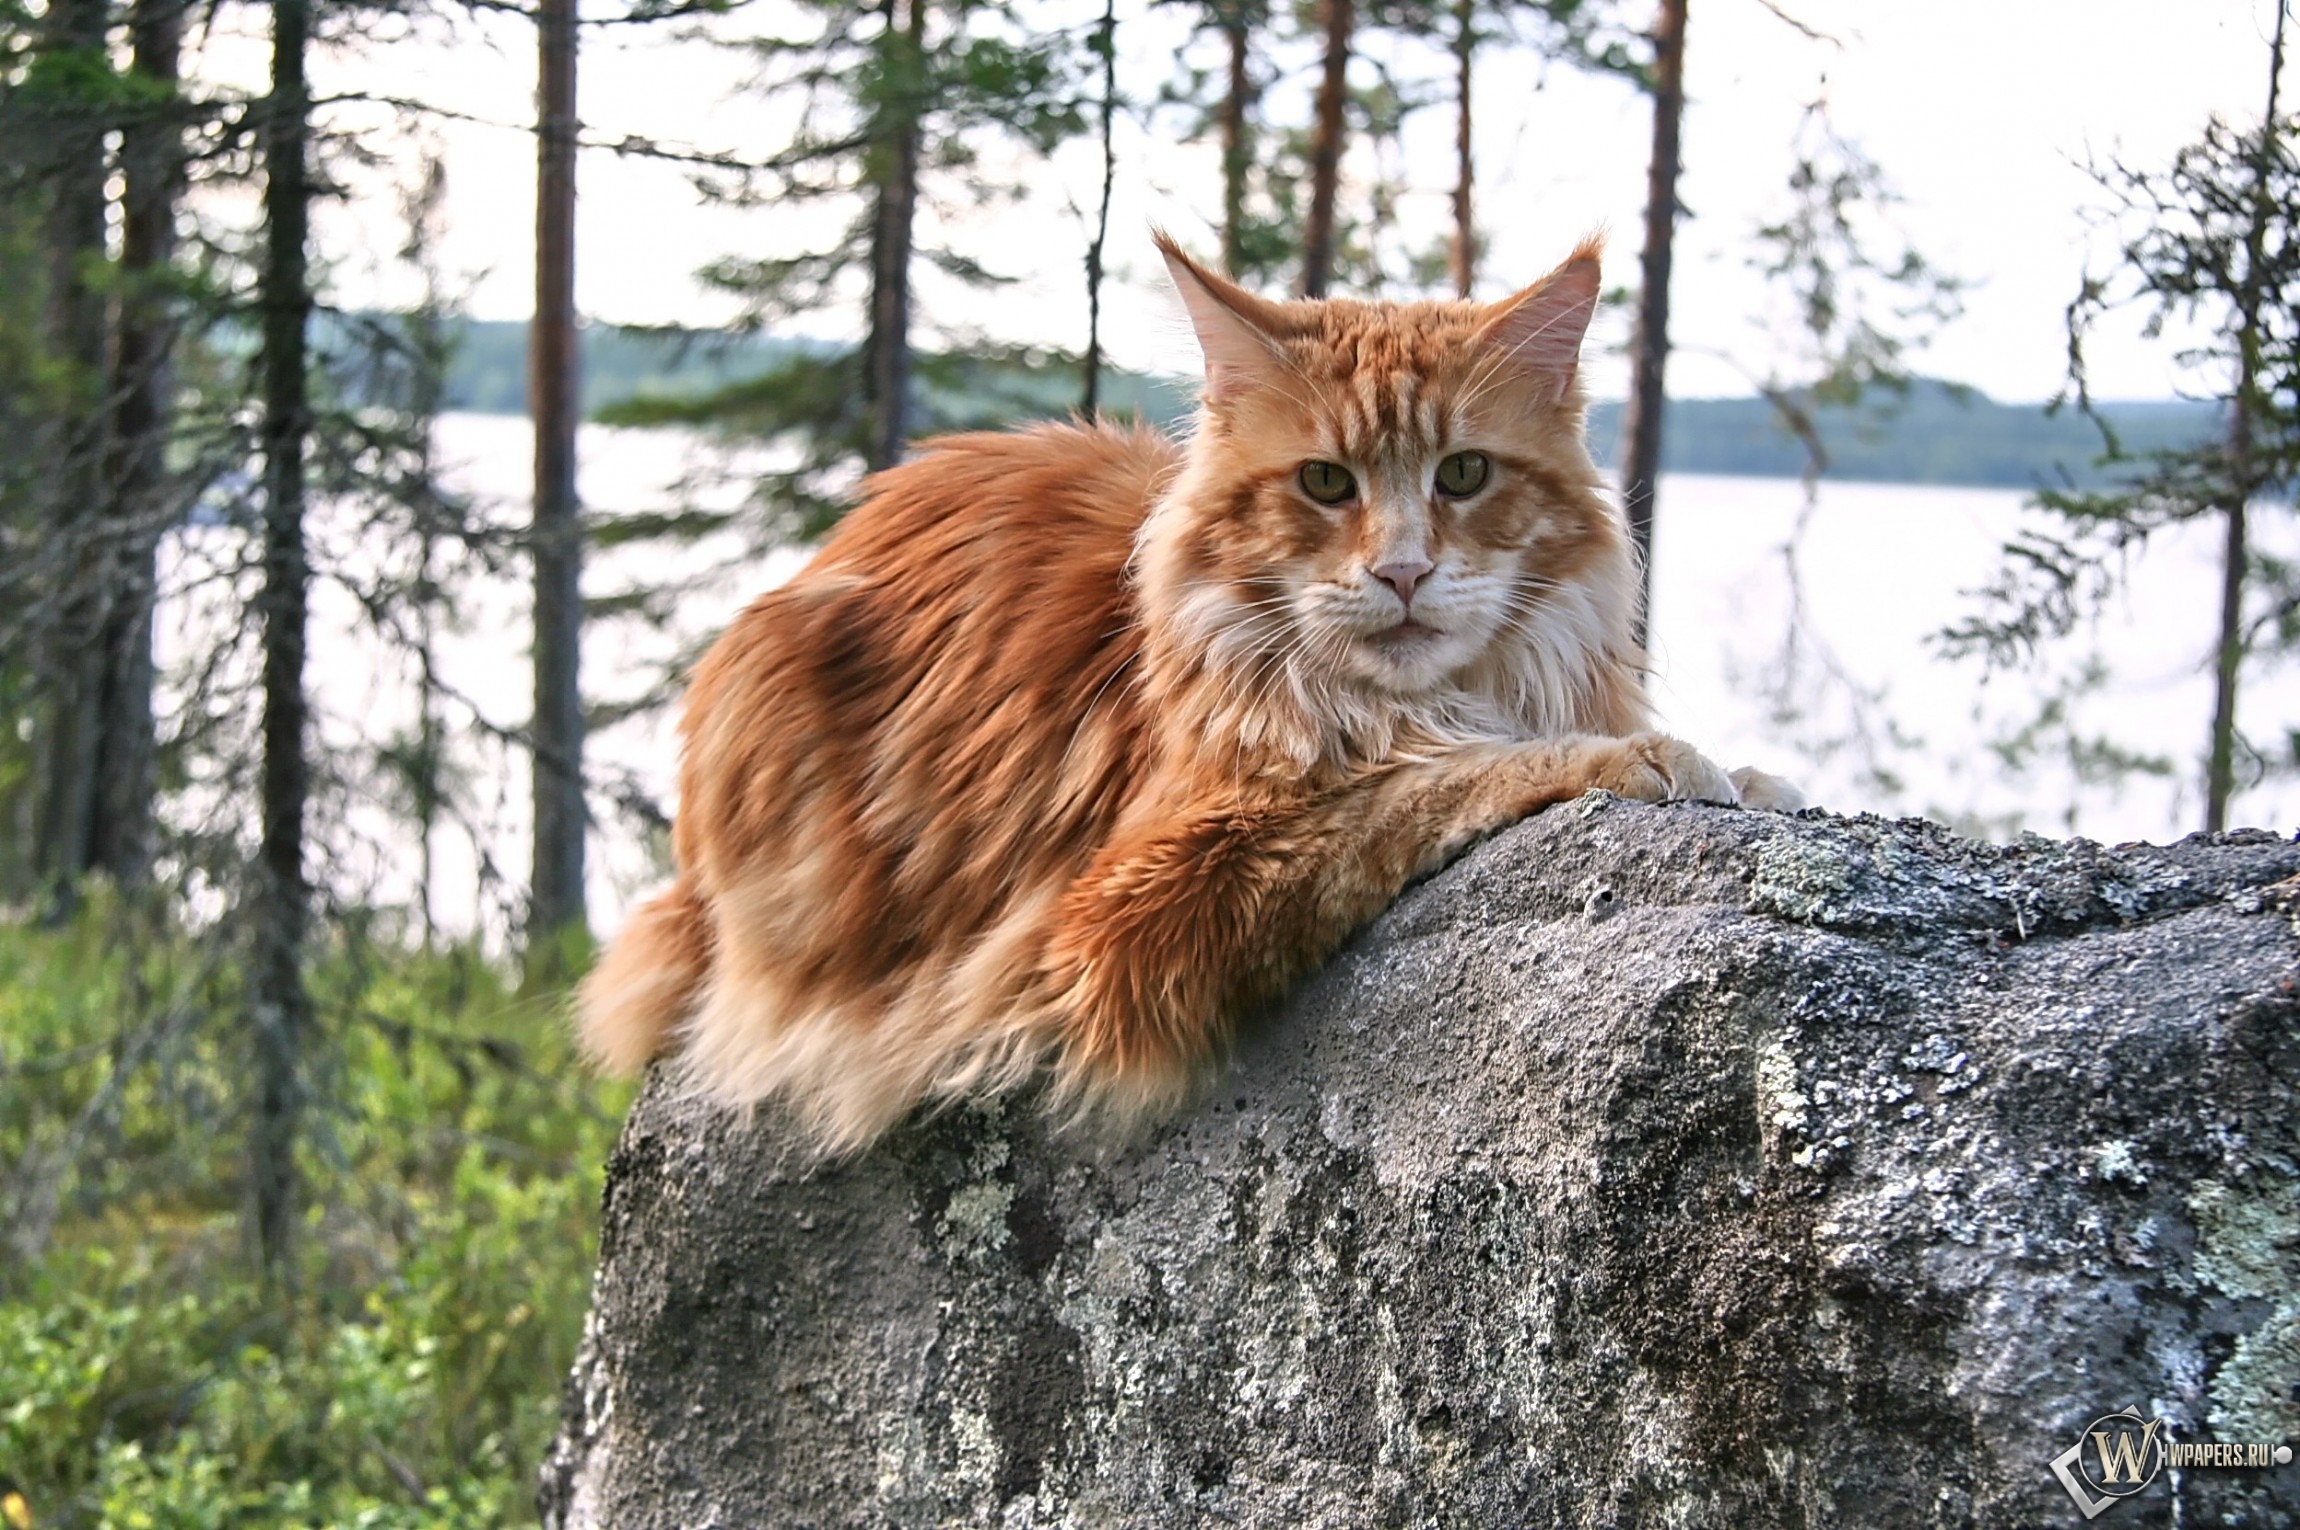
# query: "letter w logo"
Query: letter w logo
2123,1454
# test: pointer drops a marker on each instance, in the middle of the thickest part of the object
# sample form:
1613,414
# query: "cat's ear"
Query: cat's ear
1237,331
1537,334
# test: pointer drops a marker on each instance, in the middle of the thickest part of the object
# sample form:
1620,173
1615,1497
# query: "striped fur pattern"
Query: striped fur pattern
1075,744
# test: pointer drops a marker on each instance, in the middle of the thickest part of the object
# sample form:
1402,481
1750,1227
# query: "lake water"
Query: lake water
1843,691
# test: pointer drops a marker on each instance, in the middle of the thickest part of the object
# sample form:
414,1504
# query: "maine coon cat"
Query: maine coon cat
1075,744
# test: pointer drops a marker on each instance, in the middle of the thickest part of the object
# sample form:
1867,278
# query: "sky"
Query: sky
1982,114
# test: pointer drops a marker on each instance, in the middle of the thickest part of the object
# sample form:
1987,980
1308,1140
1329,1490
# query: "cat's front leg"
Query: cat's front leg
1473,793
1651,767
1217,903
1645,767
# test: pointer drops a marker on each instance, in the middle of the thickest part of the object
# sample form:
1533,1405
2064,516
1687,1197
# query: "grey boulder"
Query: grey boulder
1672,1166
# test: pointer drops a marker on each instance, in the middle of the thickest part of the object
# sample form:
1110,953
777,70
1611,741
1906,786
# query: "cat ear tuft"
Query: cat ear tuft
1538,333
1236,330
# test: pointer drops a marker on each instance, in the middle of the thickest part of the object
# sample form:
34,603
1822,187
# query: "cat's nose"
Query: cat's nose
1402,576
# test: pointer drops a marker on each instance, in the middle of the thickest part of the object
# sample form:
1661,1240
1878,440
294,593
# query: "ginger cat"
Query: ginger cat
1075,744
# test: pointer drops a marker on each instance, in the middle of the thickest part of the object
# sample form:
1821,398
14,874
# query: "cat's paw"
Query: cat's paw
1767,793
1653,767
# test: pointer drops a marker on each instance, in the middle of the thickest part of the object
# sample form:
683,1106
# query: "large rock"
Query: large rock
1667,1166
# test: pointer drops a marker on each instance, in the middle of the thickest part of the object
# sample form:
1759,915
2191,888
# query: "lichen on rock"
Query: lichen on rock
1823,1172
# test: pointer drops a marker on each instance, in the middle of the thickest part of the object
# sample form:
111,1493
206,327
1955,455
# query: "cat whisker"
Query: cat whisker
1238,684
1228,615
1247,692
1274,602
1241,684
1249,631
1216,584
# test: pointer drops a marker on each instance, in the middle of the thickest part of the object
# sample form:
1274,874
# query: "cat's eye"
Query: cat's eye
1461,474
1329,483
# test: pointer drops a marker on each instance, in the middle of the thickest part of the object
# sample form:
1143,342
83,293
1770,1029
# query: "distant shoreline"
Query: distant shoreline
1936,434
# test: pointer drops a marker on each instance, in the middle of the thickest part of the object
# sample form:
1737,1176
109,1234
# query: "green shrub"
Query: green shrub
454,1152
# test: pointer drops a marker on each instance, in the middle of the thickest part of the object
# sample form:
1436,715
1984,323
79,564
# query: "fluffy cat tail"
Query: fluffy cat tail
643,987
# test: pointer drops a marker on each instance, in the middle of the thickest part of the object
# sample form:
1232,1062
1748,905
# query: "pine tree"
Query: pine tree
1329,134
2215,240
896,97
561,823
72,87
139,494
1105,50
1237,21
165,355
1290,216
86,383
1262,169
279,1002
1649,345
1575,31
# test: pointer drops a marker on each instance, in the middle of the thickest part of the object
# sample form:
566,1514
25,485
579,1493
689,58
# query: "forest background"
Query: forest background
398,393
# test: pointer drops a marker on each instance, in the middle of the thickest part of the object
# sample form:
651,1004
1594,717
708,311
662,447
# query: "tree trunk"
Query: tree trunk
2244,475
1106,46
1463,256
1649,351
1338,18
1237,142
151,165
428,333
280,1004
2220,767
886,363
555,890
79,530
